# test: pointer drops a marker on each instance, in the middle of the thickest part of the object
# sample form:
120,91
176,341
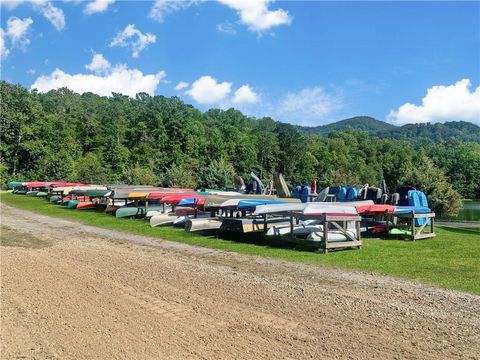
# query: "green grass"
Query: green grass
450,260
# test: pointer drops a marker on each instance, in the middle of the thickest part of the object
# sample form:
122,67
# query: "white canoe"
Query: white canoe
284,208
202,224
299,230
181,220
333,236
322,209
163,219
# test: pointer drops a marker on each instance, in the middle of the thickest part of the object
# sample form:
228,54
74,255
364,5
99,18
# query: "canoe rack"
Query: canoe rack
424,231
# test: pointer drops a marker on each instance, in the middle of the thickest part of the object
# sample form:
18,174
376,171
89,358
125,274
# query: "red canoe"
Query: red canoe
375,209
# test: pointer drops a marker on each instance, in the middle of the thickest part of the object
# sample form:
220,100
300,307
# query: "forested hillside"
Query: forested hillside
158,140
460,130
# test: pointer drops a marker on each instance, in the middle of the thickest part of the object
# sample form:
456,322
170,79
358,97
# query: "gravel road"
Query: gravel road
71,291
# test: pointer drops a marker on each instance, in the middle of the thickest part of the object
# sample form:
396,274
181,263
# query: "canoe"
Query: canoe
86,205
333,236
193,201
129,211
163,219
41,194
175,199
72,204
134,211
397,231
32,192
215,201
376,209
158,195
298,230
314,209
12,184
181,220
97,193
203,224
250,204
402,210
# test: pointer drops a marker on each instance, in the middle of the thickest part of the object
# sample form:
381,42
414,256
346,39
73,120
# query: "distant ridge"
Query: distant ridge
461,130
365,123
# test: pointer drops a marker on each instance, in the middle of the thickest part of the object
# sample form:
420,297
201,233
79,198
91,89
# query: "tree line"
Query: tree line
159,140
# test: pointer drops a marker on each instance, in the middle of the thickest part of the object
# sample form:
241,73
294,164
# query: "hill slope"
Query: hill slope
461,130
365,123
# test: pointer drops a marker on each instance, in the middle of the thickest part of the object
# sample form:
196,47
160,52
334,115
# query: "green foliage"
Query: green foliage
443,199
218,175
180,176
64,135
139,175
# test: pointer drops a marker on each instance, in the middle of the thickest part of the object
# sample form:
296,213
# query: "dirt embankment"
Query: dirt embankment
70,291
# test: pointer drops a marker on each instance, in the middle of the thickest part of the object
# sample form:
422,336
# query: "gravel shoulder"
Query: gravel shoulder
71,291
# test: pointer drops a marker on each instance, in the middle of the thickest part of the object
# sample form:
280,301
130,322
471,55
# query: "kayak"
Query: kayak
401,210
333,236
72,204
376,209
250,204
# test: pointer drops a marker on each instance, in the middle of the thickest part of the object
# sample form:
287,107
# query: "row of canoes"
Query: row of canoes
211,210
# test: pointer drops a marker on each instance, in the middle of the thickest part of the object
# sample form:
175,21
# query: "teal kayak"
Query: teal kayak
72,204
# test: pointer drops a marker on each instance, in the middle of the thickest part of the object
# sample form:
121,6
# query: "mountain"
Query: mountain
365,123
460,130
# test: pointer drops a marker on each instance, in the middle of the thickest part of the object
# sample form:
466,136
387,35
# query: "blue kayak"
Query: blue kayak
187,202
400,210
250,205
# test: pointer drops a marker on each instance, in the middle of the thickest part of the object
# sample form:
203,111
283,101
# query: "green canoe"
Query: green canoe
135,211
42,194
72,204
97,193
397,231
55,199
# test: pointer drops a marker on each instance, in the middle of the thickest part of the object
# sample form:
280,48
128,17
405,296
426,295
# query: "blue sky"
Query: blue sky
307,63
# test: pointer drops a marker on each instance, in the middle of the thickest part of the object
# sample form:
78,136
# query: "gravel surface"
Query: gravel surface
71,291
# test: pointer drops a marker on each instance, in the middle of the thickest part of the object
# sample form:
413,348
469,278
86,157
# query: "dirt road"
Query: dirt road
76,292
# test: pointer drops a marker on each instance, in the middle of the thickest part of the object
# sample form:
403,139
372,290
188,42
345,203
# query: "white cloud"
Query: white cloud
256,15
227,28
118,79
31,71
161,8
97,6
54,15
12,4
245,95
4,51
134,38
181,85
98,64
307,106
442,103
17,30
206,90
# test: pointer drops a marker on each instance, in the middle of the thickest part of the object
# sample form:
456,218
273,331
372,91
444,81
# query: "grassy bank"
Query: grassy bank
449,260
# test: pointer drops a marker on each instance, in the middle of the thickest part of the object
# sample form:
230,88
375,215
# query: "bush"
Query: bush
442,198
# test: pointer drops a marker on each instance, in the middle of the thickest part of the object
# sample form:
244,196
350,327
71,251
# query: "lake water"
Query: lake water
470,211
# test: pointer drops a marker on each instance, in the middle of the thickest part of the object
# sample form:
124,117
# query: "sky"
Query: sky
303,62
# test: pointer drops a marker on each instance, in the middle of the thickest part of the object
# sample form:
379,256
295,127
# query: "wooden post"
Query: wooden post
413,226
357,226
325,235
291,226
265,223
